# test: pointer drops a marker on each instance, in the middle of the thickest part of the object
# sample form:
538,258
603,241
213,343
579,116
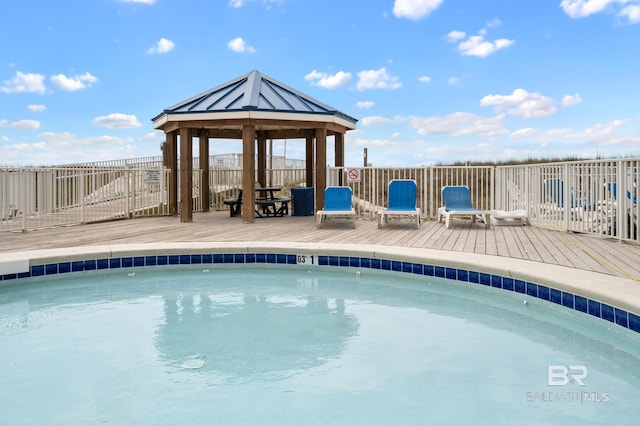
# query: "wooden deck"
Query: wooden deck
580,251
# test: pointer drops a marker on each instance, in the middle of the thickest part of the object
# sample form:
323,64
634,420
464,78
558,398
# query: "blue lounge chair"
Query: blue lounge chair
613,188
401,202
457,202
555,192
337,203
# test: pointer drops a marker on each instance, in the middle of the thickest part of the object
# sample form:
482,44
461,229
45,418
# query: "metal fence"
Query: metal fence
32,198
598,196
218,161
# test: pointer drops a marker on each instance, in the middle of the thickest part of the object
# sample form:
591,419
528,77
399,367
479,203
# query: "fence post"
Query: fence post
566,195
432,197
24,188
621,197
492,188
81,191
127,177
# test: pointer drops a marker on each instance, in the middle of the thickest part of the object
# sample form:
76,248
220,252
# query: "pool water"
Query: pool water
292,346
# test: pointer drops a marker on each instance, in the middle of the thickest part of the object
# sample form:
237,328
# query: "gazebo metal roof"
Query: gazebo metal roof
253,95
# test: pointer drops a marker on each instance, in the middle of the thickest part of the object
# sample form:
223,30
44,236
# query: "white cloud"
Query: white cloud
36,108
495,22
162,46
71,84
26,124
57,135
600,133
65,148
459,124
328,81
527,132
424,79
455,36
4,139
238,3
414,9
453,81
240,46
25,83
478,46
570,100
365,104
152,137
116,121
377,79
522,104
583,8
376,121
21,124
632,13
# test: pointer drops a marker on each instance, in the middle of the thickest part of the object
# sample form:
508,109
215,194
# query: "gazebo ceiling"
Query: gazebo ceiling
257,99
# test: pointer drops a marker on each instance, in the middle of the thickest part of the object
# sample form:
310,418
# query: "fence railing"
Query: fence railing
597,196
32,198
218,161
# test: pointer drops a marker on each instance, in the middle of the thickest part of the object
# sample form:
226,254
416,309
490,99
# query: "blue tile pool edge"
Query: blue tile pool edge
569,300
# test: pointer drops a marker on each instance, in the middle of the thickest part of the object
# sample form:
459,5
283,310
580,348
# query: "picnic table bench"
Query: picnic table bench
235,204
272,207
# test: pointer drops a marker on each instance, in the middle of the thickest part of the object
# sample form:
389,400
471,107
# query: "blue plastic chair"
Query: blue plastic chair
555,191
613,188
401,201
457,202
337,203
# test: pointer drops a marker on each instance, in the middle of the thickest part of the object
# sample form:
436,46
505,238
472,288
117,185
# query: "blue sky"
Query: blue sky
430,81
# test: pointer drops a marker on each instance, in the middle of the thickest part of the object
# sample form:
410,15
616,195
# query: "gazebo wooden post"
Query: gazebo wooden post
248,173
171,153
186,175
262,159
310,155
203,152
339,155
321,166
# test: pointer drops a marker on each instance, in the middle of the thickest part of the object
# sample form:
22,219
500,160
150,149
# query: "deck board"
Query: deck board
583,251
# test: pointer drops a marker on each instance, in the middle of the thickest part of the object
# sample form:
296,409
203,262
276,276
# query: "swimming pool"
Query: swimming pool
307,345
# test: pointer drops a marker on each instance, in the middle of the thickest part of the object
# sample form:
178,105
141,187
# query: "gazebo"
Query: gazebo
254,108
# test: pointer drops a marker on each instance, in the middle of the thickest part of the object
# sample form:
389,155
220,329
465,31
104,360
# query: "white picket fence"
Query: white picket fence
598,196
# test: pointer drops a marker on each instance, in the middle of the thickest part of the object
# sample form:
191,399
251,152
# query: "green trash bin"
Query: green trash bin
302,200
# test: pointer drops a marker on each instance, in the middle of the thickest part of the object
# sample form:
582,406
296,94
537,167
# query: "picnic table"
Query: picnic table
269,205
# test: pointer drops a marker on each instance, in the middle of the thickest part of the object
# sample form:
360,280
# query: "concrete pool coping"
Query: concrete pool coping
619,292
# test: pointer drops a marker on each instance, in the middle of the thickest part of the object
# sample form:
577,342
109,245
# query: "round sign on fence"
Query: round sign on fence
353,175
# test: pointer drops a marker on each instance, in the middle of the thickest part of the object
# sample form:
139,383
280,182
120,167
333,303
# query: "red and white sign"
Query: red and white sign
353,175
